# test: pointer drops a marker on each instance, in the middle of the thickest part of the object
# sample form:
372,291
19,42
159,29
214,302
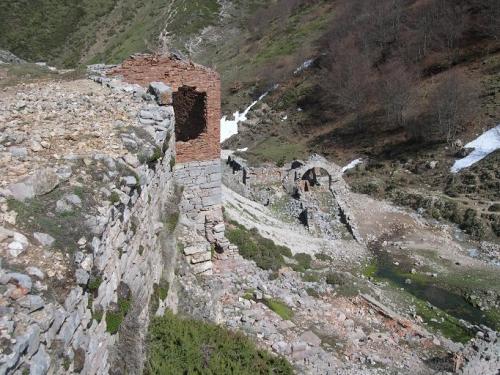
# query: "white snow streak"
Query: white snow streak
306,64
351,165
483,145
228,128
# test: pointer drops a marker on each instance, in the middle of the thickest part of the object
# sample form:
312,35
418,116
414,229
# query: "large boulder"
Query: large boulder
41,182
7,57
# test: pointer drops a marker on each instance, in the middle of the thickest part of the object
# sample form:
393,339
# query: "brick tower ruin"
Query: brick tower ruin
196,101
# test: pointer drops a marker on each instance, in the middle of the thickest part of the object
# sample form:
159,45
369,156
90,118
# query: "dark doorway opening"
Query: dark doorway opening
190,113
316,177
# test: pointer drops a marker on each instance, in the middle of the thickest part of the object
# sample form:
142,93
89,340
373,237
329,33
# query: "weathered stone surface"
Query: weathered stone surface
82,276
34,271
162,93
195,249
44,239
32,302
40,363
19,278
18,152
310,338
41,182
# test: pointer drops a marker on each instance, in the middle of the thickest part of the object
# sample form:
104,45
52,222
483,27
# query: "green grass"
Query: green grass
94,284
172,221
280,308
114,197
248,295
275,150
303,262
38,215
311,277
300,28
266,254
160,293
172,163
115,319
182,346
67,33
438,320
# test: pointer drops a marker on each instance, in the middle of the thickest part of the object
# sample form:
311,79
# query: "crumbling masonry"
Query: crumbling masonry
196,101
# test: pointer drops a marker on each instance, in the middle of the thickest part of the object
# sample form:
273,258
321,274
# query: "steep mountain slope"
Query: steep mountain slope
66,33
401,83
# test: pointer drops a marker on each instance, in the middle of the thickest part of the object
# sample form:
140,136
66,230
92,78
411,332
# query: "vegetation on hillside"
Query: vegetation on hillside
263,251
182,346
68,33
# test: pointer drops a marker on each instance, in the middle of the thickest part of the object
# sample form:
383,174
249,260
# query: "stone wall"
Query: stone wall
130,250
143,69
197,168
201,203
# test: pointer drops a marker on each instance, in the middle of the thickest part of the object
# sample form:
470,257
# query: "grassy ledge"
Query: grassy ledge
183,346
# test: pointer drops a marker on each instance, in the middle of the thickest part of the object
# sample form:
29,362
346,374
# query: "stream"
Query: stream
427,290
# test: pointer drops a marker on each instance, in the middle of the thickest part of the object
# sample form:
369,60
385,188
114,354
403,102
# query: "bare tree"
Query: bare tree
396,92
348,77
453,104
491,15
453,24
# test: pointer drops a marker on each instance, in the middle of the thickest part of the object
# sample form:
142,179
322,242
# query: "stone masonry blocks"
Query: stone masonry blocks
143,69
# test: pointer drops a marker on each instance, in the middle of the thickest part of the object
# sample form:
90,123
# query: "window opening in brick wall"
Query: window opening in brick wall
190,113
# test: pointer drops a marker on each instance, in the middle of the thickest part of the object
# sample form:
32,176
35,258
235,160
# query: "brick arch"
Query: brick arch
294,178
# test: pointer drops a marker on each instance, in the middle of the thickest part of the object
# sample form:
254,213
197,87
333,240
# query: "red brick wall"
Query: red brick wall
143,69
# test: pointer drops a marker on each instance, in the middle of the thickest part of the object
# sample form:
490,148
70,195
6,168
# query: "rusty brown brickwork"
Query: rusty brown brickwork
143,69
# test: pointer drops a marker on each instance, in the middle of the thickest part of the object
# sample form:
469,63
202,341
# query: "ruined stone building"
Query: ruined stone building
196,101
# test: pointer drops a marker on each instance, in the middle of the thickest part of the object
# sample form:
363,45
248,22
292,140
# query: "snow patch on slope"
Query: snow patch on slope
483,145
228,128
351,165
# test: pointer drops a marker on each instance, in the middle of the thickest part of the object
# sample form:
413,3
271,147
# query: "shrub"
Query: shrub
495,207
264,252
114,318
94,284
97,315
172,221
472,224
324,257
182,346
304,262
334,278
113,321
310,277
312,292
160,292
114,197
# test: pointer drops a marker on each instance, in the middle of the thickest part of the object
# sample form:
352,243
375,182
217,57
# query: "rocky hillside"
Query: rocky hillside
399,84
